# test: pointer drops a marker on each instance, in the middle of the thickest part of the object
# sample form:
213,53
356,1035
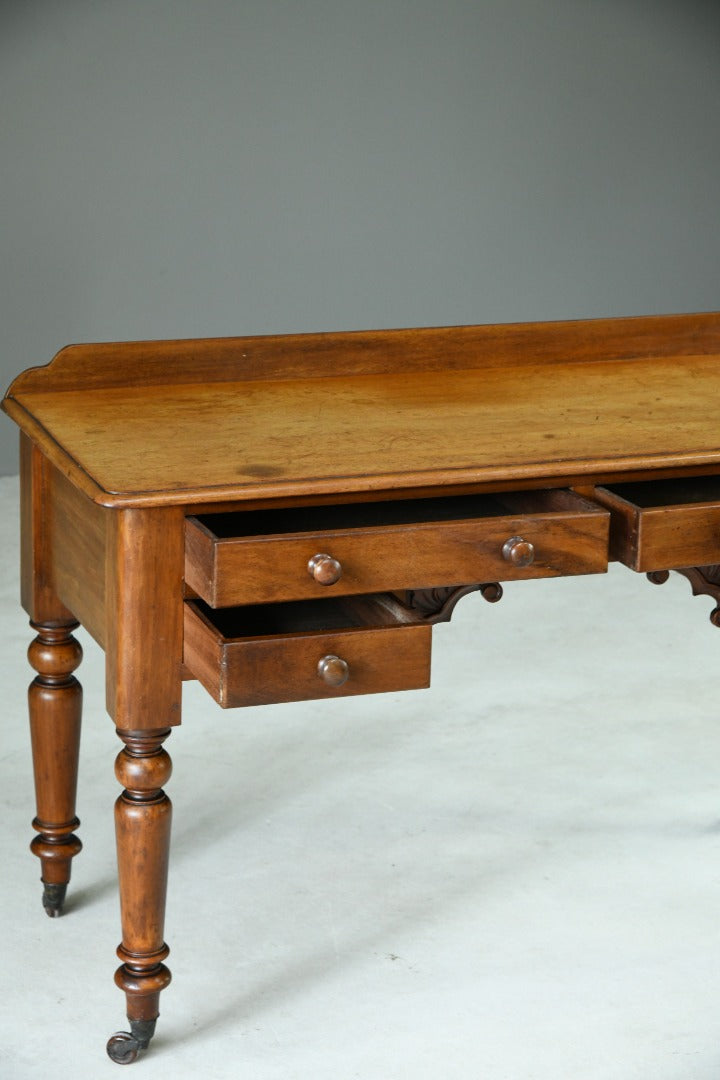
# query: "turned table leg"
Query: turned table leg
142,823
55,706
143,647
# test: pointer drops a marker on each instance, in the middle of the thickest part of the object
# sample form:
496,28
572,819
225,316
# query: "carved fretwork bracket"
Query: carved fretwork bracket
437,605
704,581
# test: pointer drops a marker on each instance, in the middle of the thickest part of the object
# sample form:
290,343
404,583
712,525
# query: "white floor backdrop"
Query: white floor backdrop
514,875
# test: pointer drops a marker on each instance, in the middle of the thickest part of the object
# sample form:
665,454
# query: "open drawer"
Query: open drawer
254,557
662,524
258,655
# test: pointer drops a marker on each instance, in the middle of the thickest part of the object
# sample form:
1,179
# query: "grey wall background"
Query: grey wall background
175,168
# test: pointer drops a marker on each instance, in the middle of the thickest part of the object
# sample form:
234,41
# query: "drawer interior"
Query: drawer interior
304,519
304,616
678,492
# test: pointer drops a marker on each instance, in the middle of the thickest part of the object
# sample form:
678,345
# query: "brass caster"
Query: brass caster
124,1046
54,900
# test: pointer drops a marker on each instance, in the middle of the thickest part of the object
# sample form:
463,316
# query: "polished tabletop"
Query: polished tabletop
316,426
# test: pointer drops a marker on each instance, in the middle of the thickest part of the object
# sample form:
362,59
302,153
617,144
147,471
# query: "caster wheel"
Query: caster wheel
122,1048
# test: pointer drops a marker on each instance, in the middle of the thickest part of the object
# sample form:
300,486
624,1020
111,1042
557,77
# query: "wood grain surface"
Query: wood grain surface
197,444
371,352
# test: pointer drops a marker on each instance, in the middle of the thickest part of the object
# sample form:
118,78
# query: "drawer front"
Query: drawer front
567,536
305,665
659,525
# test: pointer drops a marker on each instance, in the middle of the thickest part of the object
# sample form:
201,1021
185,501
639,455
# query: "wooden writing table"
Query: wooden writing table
284,518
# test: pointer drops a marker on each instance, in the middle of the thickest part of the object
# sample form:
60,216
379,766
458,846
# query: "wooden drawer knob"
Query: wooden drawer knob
517,551
325,569
333,670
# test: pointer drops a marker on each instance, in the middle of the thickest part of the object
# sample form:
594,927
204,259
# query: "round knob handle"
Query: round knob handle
517,551
325,569
333,670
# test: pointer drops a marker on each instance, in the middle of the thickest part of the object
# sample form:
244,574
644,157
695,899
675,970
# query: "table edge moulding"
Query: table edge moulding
286,517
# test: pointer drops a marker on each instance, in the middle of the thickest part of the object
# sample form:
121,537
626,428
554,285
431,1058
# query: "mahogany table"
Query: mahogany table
284,518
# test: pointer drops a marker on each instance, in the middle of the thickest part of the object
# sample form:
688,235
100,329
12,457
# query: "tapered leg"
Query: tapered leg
55,706
142,823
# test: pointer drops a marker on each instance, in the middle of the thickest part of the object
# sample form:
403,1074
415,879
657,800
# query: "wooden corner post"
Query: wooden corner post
144,626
